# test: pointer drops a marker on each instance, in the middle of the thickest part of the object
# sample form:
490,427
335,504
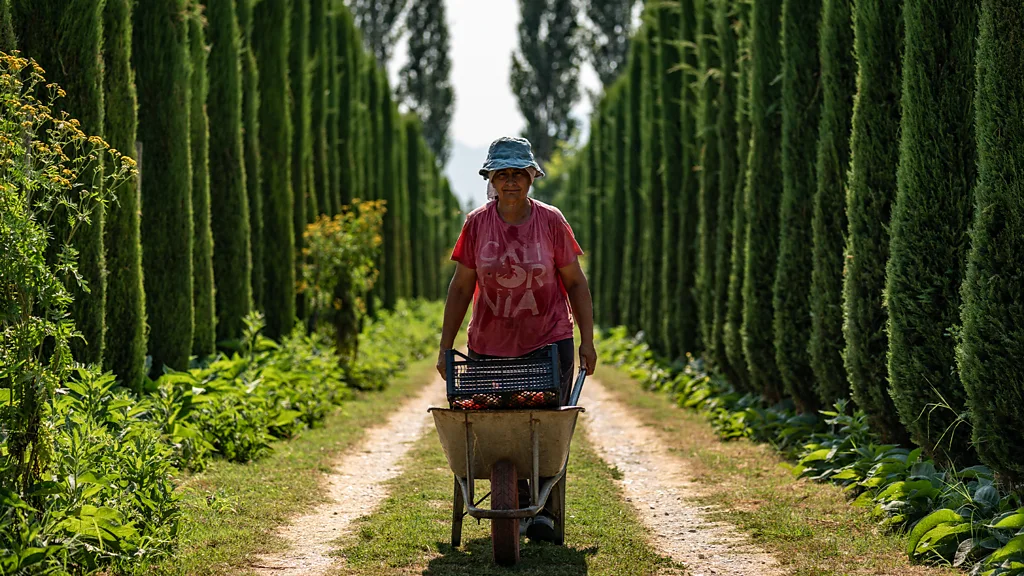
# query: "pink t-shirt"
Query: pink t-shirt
520,303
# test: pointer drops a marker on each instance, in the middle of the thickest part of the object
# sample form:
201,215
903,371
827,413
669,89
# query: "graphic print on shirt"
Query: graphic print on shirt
511,269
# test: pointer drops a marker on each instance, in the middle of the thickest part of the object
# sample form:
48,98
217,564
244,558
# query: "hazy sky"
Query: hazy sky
483,35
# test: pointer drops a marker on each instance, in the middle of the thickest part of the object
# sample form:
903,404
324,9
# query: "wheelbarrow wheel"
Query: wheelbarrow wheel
505,496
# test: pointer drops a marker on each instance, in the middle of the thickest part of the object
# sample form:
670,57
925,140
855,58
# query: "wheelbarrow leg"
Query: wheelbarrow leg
557,506
458,513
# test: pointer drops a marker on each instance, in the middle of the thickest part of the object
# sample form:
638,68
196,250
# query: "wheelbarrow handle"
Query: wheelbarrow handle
577,387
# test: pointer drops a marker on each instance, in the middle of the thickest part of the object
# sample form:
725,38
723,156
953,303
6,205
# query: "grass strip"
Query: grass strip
410,533
230,510
810,528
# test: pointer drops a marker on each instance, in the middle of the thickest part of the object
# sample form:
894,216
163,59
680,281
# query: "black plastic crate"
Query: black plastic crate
504,383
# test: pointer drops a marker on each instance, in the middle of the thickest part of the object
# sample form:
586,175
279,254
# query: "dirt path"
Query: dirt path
656,482
354,489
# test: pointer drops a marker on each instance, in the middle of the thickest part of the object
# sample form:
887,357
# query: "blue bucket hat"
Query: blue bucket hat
507,152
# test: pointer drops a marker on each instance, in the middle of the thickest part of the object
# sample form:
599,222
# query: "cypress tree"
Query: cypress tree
651,305
348,83
801,110
764,188
232,262
302,144
678,182
708,176
160,55
392,271
874,155
839,84
270,35
335,163
7,43
617,226
413,185
589,193
318,91
251,151
125,348
69,49
611,210
733,338
930,221
632,271
991,351
204,333
727,136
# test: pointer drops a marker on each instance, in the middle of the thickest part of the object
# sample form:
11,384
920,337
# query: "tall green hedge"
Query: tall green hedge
270,38
125,347
727,135
160,56
232,260
204,337
733,338
763,191
69,49
706,132
653,187
251,150
930,221
874,155
838,86
675,326
801,110
631,265
991,352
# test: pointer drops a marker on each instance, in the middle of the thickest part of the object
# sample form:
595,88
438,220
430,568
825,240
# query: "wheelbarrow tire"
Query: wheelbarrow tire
505,496
556,503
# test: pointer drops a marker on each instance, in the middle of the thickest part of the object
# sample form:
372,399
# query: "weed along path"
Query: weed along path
657,484
355,488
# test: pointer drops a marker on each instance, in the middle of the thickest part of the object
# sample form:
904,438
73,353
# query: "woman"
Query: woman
517,261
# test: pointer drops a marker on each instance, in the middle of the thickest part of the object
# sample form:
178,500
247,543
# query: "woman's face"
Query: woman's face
512,185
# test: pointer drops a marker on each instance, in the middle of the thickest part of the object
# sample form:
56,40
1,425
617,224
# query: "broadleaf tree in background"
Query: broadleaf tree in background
69,49
380,22
425,86
545,75
930,221
203,334
608,38
125,347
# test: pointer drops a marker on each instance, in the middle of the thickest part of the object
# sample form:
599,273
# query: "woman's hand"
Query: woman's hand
442,365
588,357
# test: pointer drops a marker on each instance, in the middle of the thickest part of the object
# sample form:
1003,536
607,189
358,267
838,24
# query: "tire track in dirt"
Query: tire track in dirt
354,489
656,482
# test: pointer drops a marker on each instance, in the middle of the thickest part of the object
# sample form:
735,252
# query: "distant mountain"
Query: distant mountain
463,174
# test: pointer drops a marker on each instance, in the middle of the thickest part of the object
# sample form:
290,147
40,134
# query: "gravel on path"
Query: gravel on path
355,488
657,483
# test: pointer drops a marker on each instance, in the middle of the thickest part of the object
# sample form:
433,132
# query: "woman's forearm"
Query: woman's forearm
583,310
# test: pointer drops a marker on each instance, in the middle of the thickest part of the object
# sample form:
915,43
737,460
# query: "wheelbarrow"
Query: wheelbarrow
501,442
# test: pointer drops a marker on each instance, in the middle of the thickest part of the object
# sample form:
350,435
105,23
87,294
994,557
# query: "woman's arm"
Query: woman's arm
575,282
460,294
